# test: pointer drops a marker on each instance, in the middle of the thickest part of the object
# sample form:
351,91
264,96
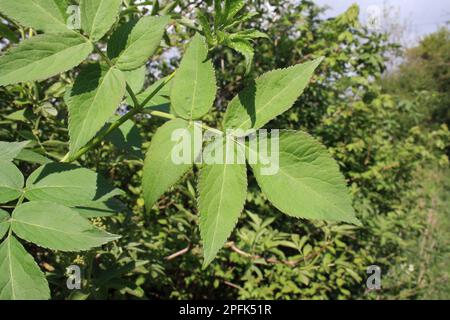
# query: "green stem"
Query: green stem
21,199
155,92
94,142
133,96
159,114
208,128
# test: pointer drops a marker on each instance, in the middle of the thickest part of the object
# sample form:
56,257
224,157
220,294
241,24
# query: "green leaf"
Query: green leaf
97,209
20,276
160,101
222,192
65,184
56,227
245,48
10,150
269,96
11,182
42,57
218,13
32,157
136,78
19,115
98,16
4,223
105,206
206,28
45,15
194,85
160,172
127,138
308,183
133,43
95,96
250,35
232,7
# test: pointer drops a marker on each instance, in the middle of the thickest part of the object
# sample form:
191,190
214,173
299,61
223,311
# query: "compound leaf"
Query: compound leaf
222,192
270,95
303,181
161,170
42,57
56,227
45,15
11,182
133,43
65,184
194,85
20,276
98,16
95,96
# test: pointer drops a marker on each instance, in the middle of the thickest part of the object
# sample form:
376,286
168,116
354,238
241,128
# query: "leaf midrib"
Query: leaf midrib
10,269
216,222
53,229
94,21
197,52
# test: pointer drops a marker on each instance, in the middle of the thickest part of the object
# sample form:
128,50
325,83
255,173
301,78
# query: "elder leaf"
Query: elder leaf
302,179
134,42
93,99
56,227
45,15
194,85
42,57
98,16
20,276
269,96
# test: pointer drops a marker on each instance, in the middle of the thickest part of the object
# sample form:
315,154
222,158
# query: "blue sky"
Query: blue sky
420,16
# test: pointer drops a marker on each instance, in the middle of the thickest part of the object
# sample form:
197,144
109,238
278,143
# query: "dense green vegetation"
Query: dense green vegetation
388,134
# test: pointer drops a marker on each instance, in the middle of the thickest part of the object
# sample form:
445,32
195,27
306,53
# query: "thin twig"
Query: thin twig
235,286
179,253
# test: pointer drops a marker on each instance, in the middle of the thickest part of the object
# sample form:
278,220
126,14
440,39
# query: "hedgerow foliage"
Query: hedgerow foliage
376,138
